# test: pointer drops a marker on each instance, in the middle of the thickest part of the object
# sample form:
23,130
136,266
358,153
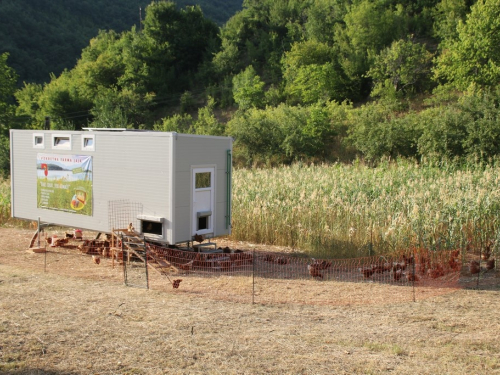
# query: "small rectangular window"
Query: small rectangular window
152,227
38,141
203,180
88,143
62,142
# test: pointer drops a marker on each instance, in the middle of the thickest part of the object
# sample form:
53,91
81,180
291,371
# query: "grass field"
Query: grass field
79,318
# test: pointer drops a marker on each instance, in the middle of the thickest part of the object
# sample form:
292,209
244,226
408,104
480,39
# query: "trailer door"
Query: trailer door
203,218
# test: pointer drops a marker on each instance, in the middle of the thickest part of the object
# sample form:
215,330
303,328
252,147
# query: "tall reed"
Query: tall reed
355,210
5,218
4,201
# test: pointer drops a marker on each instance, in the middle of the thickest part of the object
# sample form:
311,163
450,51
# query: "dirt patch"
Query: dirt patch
79,318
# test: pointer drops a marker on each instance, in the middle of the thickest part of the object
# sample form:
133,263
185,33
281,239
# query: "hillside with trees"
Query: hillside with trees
47,36
319,80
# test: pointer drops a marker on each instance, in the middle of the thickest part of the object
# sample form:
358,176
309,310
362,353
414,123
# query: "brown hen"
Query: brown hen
314,271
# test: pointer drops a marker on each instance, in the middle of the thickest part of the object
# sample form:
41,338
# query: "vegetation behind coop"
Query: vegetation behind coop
180,182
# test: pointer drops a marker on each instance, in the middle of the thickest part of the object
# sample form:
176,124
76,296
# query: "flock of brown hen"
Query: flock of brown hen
396,268
412,268
475,266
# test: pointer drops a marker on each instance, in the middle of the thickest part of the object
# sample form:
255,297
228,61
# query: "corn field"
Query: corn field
5,218
345,211
4,201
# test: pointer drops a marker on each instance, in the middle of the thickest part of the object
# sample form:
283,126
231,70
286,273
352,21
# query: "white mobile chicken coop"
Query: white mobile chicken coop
169,186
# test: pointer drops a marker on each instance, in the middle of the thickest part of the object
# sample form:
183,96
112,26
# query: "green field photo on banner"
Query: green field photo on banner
64,183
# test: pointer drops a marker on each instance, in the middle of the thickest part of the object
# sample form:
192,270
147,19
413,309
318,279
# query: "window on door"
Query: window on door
203,180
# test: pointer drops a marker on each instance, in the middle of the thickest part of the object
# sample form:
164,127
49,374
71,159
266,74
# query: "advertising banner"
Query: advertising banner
64,183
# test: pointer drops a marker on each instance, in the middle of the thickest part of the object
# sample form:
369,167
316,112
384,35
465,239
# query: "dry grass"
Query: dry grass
78,318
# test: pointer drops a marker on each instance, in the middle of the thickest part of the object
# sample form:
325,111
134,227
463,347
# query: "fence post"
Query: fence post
253,276
413,271
370,248
146,262
123,260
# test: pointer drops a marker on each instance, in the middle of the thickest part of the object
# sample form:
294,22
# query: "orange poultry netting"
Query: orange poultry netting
266,277
280,278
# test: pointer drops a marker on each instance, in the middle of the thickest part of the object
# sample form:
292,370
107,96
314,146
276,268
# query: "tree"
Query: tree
207,123
474,57
8,78
187,102
443,132
322,16
62,100
376,132
369,27
107,111
176,123
403,68
47,36
101,64
28,102
483,128
281,134
311,73
176,42
248,89
447,15
258,36
121,79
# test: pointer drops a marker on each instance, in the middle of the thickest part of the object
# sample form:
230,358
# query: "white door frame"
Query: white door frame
194,210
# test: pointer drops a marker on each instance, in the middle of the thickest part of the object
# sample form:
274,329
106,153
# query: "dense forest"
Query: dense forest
47,36
291,80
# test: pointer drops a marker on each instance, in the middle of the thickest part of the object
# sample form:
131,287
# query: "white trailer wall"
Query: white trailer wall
150,168
197,151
